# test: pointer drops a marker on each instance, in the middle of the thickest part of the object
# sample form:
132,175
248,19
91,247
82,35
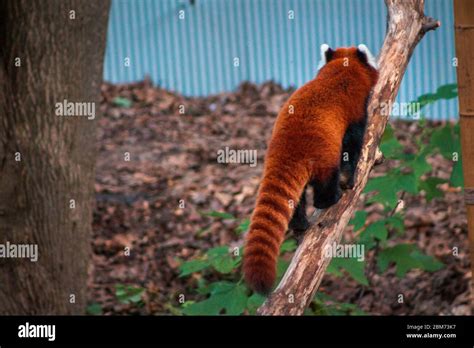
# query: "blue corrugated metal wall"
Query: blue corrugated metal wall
195,55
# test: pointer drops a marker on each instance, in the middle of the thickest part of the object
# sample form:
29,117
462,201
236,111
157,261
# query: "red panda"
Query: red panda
317,137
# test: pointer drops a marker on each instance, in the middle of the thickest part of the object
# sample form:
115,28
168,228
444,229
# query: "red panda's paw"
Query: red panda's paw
347,181
299,224
328,200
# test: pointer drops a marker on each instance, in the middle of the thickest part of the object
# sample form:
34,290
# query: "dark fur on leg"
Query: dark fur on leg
327,193
299,222
351,148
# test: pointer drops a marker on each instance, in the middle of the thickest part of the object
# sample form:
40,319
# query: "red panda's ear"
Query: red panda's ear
326,55
329,54
364,55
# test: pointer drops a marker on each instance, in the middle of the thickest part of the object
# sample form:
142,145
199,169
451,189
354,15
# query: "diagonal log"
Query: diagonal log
406,26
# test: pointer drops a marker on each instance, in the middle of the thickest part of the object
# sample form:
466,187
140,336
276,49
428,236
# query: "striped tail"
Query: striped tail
279,194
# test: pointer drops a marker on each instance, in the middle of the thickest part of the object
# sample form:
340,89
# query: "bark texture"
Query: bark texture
60,53
464,32
406,25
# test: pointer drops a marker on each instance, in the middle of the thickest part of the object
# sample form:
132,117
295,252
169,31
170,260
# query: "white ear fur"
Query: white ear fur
370,58
323,61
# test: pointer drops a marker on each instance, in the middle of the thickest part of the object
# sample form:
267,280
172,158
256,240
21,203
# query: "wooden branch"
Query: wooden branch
405,27
464,35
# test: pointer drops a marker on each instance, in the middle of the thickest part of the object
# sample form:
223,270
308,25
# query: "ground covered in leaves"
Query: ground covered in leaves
157,173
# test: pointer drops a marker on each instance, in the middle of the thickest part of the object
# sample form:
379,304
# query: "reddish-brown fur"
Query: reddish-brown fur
305,145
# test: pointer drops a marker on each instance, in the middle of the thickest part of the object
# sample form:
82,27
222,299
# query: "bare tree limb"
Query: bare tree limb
406,25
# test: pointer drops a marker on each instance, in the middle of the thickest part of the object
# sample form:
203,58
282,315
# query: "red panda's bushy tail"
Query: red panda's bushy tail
278,196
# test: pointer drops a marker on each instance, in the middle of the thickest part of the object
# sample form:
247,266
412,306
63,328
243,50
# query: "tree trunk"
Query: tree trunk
406,26
50,51
464,31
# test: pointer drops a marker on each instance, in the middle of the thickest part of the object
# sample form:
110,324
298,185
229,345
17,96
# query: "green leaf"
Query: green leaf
358,221
333,268
219,258
237,301
218,214
419,166
224,296
94,309
388,185
220,287
457,177
288,245
122,102
224,263
128,294
396,222
389,145
193,266
282,266
254,302
388,134
206,307
386,190
406,182
430,187
243,227
202,287
391,148
326,305
448,91
222,260
406,257
354,267
217,251
377,230
446,140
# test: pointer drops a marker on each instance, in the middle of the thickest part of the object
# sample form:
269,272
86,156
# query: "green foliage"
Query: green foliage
352,266
122,102
445,92
447,141
358,221
253,302
406,257
230,296
457,176
288,245
94,309
224,298
128,294
218,214
411,175
388,185
430,187
243,227
219,258
324,304
378,231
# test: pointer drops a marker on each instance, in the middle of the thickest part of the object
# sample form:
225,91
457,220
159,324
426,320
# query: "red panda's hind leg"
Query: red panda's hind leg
351,148
327,192
299,222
